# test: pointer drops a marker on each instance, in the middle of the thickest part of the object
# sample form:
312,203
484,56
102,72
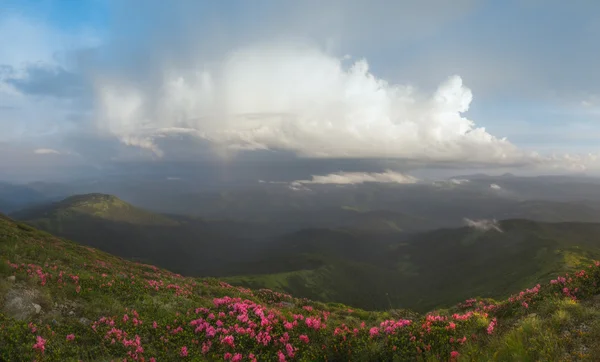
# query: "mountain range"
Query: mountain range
375,260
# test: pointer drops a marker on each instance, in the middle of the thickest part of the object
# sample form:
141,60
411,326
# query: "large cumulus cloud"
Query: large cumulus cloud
302,99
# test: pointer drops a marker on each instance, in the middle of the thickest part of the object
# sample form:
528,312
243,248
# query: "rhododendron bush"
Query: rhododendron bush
120,310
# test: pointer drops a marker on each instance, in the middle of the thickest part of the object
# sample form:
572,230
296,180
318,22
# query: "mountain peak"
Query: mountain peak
93,199
95,205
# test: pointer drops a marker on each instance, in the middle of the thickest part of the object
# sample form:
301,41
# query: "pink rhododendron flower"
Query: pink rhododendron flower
184,351
304,338
70,337
281,356
228,340
290,350
40,344
491,326
313,322
373,331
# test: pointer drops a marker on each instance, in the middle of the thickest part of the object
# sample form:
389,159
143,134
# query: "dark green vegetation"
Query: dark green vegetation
362,263
187,245
427,270
63,302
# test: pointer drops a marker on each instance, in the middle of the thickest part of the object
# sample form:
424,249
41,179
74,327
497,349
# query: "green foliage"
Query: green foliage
89,298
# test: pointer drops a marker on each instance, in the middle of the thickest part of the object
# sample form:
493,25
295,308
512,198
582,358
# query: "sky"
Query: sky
389,86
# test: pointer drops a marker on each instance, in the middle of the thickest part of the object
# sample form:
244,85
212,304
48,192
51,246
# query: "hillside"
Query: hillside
112,225
65,302
106,207
424,271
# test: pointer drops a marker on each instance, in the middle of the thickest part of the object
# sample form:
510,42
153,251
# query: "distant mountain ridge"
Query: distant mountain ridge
425,270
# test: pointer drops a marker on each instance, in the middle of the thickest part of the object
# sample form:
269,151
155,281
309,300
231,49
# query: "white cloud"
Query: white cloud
484,225
351,178
495,187
298,187
298,98
142,142
449,183
46,151
592,100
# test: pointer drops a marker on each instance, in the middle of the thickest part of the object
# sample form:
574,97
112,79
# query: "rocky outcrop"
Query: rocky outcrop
19,303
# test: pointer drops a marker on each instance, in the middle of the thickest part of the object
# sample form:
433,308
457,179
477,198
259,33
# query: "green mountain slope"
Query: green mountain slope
101,206
177,243
428,270
60,301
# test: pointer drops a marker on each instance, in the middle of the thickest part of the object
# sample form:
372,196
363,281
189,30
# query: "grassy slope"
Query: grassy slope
122,299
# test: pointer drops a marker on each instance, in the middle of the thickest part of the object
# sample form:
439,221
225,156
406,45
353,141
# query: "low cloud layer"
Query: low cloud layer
483,225
352,178
46,151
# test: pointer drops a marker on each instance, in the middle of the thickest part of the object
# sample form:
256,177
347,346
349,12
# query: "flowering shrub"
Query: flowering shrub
142,313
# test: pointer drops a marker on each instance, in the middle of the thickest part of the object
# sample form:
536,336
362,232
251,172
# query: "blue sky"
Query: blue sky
468,82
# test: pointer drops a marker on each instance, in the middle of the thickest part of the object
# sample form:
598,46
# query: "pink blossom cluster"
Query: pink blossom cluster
491,326
40,344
